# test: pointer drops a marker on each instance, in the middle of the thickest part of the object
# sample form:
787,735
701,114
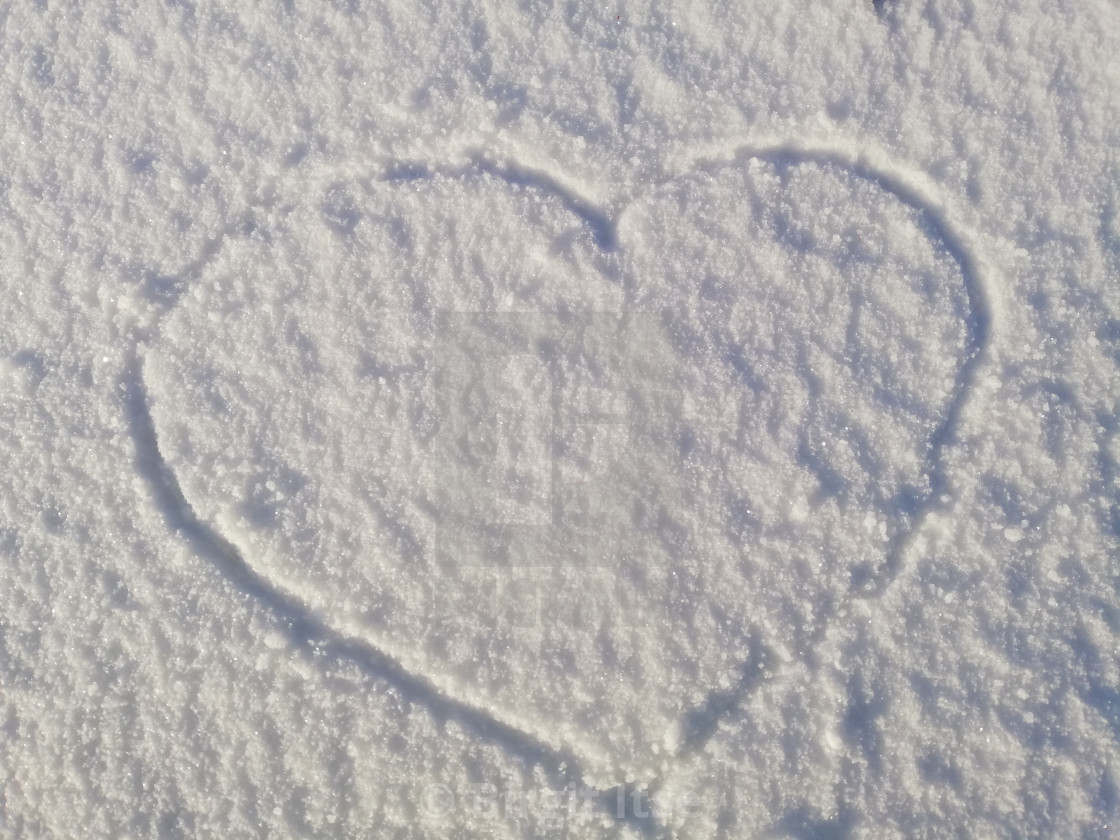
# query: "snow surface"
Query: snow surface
551,419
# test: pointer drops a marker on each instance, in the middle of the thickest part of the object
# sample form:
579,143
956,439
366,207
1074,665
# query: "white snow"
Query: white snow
551,419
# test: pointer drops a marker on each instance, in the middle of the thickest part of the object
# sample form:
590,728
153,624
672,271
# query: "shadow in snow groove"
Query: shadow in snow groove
305,630
603,227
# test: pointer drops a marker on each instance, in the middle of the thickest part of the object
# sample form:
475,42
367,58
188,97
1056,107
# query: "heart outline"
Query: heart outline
977,274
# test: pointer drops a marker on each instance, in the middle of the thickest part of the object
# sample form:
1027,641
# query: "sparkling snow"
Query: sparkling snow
549,419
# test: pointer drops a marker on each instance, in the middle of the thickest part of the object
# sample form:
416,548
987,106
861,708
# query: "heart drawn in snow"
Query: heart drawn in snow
567,483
